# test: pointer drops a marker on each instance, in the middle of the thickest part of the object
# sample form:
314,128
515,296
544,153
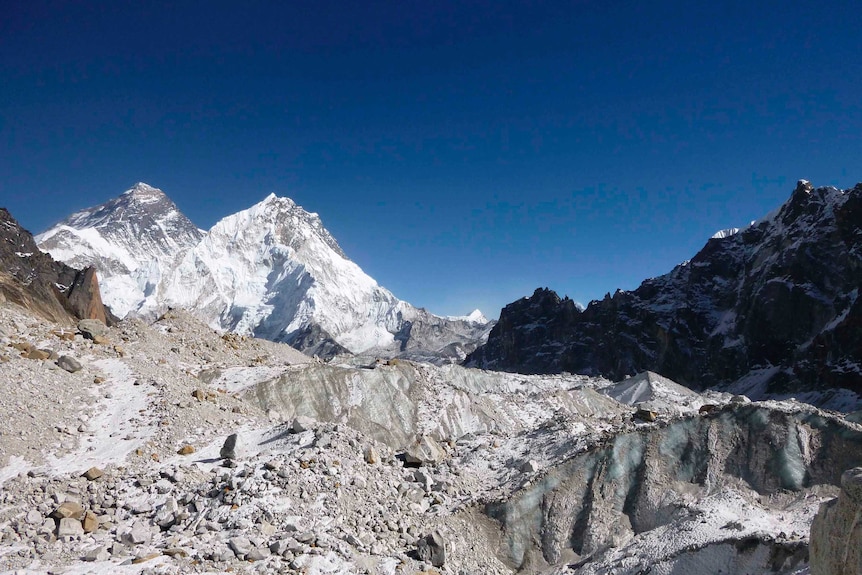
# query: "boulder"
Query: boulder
425,451
69,363
69,527
302,423
93,473
836,535
232,448
432,549
92,328
68,510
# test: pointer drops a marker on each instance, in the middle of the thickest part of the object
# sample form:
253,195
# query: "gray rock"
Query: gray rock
92,328
425,451
432,549
530,466
232,448
69,527
98,553
241,546
34,517
302,423
835,546
257,554
136,535
69,363
371,455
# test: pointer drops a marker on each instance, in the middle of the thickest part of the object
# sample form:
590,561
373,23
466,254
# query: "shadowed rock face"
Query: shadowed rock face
836,535
35,281
780,296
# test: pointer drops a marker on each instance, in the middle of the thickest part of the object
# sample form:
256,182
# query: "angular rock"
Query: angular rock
186,450
425,451
92,328
90,522
93,473
137,534
68,510
432,549
38,354
530,466
241,546
232,447
98,553
69,527
302,423
371,455
69,363
836,536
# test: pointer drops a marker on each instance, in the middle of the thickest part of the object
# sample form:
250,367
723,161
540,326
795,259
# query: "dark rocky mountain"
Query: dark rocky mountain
33,279
773,308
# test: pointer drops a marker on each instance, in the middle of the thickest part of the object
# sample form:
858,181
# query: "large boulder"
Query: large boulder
836,533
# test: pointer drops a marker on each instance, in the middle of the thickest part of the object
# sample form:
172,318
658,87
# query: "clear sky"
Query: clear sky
462,153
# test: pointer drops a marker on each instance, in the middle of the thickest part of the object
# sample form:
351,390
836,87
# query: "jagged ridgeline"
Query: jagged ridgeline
272,271
771,308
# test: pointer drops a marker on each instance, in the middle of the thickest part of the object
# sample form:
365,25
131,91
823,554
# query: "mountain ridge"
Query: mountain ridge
272,270
770,308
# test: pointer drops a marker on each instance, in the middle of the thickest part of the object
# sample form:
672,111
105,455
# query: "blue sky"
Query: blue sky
462,153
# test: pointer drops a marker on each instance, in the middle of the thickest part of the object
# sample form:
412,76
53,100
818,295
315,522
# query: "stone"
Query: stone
371,455
101,340
302,423
69,363
707,409
98,553
530,466
69,527
37,354
137,534
740,399
33,517
432,549
90,522
645,415
92,328
258,554
68,510
425,451
232,447
186,450
241,546
93,473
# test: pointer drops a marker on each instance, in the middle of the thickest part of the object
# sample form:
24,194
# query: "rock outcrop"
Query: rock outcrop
774,305
35,281
836,533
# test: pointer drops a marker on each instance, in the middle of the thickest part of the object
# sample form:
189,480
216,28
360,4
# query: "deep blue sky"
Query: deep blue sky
462,153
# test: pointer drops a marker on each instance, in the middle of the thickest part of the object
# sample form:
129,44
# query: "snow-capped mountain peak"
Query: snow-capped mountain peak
272,270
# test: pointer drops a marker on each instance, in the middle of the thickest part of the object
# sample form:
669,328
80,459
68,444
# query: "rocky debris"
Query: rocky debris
68,510
432,549
186,450
37,354
312,501
836,534
781,292
69,363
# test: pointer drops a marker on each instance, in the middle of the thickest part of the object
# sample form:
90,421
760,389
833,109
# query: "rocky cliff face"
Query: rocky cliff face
836,533
771,308
33,280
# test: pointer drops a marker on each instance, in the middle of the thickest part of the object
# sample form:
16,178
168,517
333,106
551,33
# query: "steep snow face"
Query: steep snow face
272,270
132,240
